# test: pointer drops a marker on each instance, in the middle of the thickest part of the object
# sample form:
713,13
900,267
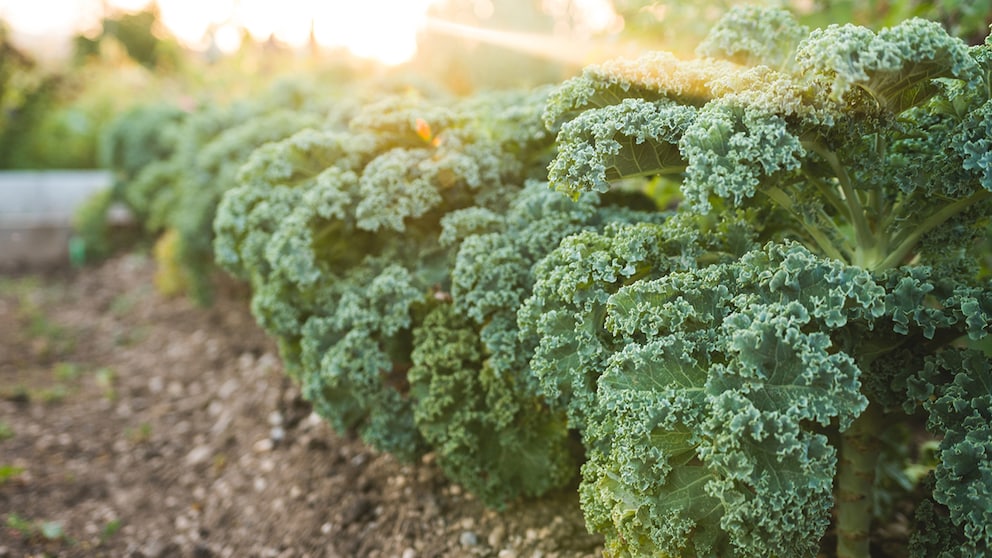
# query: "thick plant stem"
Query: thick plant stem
855,479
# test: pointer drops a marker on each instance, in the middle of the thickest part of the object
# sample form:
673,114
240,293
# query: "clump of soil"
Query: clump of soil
139,426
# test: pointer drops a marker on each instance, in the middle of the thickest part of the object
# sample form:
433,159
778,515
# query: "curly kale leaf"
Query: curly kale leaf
475,398
288,180
653,76
491,433
492,272
214,171
339,233
515,122
974,143
742,36
181,192
357,356
935,535
565,311
895,67
955,387
867,150
724,379
143,136
393,189
627,117
138,147
631,138
732,151
707,444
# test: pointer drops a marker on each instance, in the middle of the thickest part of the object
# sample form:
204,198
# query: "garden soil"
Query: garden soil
136,425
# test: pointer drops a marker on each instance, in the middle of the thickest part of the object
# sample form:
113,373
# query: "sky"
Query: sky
380,29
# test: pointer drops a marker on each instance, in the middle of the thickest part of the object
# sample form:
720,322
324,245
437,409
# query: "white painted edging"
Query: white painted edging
36,212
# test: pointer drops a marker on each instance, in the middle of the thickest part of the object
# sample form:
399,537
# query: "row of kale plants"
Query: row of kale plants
733,293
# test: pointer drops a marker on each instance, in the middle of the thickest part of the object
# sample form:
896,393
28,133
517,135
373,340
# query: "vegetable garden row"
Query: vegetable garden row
731,293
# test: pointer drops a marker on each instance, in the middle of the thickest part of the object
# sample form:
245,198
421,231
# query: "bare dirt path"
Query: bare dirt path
132,425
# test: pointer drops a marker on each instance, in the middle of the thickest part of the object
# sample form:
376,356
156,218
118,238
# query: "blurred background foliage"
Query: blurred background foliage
52,115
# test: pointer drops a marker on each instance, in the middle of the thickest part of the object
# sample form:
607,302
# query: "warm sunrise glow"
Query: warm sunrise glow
46,16
383,30
391,39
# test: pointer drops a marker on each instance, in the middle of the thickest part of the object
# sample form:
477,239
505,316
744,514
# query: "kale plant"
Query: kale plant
172,167
389,260
742,374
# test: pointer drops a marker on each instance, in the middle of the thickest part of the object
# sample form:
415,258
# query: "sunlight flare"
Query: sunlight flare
382,30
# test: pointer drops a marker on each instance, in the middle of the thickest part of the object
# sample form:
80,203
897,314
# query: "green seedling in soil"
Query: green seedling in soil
106,378
39,531
22,526
20,393
53,340
47,338
140,434
129,336
54,394
17,287
38,324
110,529
9,472
40,327
67,377
6,432
123,304
67,371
